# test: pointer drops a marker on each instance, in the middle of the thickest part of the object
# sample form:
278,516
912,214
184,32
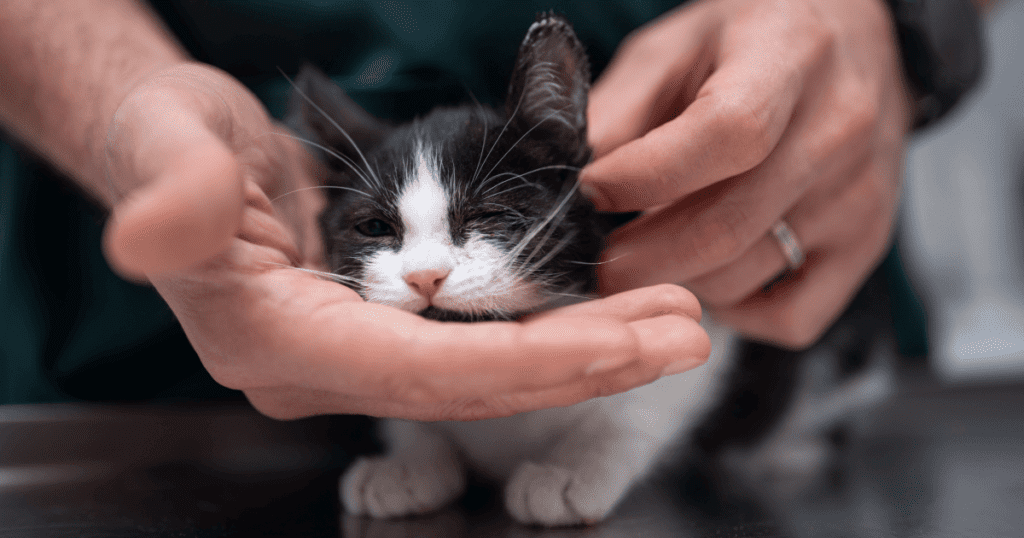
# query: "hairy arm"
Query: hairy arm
100,89
67,66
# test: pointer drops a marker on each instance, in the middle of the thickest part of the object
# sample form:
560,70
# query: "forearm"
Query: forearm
67,65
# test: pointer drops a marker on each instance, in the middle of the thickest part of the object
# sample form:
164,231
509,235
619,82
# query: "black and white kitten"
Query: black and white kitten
469,214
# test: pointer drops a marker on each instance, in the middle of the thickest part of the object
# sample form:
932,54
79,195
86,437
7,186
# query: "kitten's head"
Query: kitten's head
468,213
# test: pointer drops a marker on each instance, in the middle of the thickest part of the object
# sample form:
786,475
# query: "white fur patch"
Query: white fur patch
479,278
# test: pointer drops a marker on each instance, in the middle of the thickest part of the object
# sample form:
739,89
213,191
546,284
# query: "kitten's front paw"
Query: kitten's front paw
545,494
392,487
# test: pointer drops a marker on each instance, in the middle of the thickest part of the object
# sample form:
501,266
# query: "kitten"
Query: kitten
470,214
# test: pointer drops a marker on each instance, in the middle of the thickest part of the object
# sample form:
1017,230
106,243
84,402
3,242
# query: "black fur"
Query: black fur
541,131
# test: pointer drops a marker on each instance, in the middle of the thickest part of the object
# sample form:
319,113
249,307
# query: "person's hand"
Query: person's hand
725,116
217,210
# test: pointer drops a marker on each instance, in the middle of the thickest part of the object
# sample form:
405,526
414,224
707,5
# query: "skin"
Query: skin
806,124
188,161
725,116
744,113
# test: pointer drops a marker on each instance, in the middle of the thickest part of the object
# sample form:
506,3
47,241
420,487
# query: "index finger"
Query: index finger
733,124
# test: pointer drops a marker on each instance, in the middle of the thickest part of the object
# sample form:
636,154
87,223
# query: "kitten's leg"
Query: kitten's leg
583,479
420,473
596,462
798,449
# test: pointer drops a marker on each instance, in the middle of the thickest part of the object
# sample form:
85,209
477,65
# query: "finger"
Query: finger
678,344
186,203
830,138
795,312
632,305
822,218
729,285
293,402
736,120
365,349
652,77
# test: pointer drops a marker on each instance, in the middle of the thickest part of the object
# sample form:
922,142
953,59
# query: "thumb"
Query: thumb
187,211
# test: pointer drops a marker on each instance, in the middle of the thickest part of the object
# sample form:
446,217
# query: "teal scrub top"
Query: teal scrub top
71,329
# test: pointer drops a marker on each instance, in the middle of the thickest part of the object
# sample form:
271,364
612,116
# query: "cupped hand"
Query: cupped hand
725,116
216,206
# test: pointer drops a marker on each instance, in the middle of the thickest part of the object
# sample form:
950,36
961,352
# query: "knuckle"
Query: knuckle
601,386
798,332
875,201
819,36
862,112
738,125
822,43
227,375
642,44
851,128
269,404
673,294
719,238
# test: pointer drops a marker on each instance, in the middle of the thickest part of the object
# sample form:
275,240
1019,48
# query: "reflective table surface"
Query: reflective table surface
934,462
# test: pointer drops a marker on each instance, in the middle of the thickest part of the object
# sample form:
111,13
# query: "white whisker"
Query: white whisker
515,175
536,229
507,123
341,279
528,131
550,255
344,159
369,169
572,295
619,257
276,198
483,144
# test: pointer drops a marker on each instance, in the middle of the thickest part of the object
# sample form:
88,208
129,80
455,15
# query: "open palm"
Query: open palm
215,209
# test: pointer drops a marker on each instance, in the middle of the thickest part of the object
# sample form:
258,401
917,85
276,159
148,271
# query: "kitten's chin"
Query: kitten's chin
440,314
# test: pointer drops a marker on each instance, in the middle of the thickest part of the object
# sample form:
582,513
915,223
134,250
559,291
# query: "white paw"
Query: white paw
392,487
555,496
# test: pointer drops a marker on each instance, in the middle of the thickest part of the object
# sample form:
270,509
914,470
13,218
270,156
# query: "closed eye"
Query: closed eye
375,228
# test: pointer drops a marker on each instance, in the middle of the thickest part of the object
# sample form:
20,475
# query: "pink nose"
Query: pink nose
427,281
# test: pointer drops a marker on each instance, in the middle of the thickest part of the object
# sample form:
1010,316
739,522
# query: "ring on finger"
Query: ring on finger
789,244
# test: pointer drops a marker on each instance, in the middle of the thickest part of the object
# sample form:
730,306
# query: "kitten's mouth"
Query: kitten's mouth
440,314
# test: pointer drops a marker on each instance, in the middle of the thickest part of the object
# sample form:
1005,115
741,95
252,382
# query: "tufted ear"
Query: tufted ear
548,90
319,110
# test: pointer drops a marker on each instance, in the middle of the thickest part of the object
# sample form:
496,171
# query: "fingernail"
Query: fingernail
677,368
591,193
601,366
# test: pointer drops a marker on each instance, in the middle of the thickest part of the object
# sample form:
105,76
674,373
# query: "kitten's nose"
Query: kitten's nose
426,282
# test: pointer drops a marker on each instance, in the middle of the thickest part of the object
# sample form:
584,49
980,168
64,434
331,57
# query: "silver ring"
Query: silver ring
790,246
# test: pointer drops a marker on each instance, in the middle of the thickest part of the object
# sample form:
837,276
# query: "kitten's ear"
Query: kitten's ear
319,110
549,85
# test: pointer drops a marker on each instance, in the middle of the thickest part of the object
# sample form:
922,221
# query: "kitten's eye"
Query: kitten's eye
374,228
